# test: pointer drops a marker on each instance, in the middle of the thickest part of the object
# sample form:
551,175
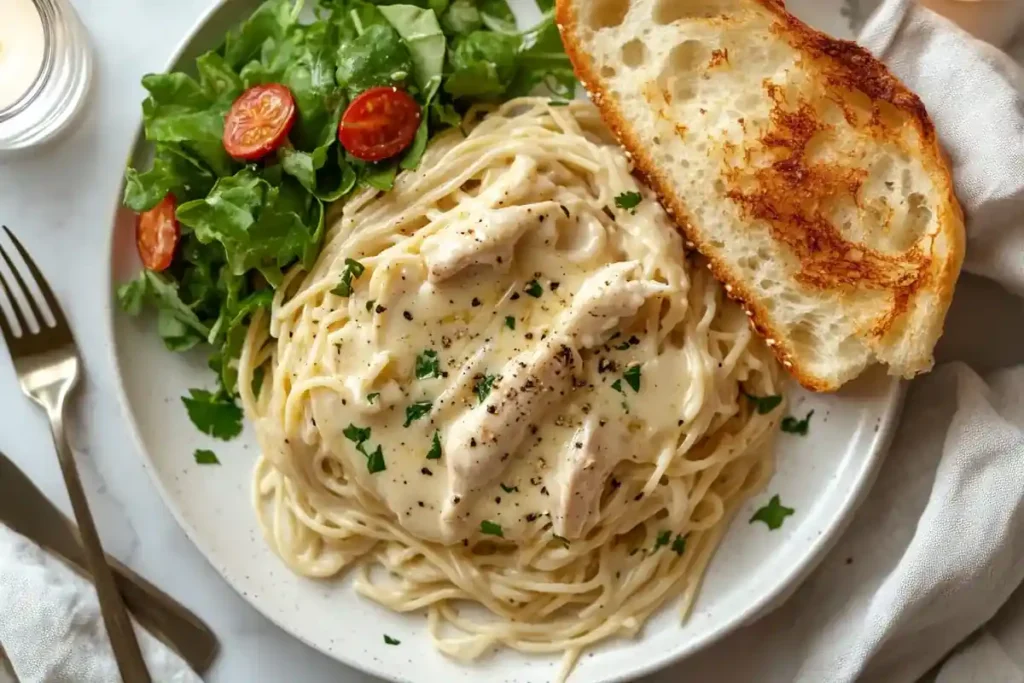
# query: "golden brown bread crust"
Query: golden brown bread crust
786,193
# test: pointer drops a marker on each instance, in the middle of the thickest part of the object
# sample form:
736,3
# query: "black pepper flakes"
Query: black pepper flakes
407,315
475,302
426,471
379,309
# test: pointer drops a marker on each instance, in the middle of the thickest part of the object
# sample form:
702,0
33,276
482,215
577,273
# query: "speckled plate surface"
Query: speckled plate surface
822,476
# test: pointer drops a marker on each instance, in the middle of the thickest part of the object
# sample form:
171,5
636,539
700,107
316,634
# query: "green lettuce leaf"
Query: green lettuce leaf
376,57
174,170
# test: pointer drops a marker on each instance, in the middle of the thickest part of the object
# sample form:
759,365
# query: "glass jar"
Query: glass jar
50,101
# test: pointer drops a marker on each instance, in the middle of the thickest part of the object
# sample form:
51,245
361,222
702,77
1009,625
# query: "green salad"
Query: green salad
295,110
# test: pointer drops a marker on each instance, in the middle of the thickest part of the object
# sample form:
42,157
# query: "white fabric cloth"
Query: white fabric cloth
938,546
58,636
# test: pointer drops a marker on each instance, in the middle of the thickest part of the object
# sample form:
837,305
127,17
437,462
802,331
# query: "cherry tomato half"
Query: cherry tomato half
259,121
379,123
157,233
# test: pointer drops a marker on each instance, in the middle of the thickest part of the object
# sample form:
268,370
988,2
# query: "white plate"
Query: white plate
822,475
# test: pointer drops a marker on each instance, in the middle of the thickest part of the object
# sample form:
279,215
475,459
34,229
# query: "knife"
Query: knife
25,509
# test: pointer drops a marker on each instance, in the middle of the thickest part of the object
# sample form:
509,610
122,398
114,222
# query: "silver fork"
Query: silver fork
47,366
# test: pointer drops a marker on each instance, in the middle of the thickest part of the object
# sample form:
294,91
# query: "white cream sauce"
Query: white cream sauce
478,319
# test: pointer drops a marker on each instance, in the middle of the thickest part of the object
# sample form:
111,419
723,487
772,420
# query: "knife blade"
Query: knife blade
25,509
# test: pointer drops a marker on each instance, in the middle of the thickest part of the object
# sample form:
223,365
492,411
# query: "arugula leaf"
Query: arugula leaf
534,289
497,16
262,226
794,426
203,456
178,110
435,447
764,404
174,171
162,293
269,22
377,57
483,64
491,529
214,414
415,411
461,18
542,61
388,640
132,295
773,514
510,322
617,386
217,79
427,365
482,386
426,43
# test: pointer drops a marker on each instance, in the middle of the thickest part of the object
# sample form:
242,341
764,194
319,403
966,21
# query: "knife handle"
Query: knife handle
166,619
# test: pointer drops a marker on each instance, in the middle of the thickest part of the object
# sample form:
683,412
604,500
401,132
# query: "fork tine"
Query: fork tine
24,290
51,300
5,325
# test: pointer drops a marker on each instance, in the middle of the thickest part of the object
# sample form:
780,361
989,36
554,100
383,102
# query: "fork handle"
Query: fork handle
115,617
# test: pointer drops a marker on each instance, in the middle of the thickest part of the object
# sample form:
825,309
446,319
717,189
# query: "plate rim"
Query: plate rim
814,551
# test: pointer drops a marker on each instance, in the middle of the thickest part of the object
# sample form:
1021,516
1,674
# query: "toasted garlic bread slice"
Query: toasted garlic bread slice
806,173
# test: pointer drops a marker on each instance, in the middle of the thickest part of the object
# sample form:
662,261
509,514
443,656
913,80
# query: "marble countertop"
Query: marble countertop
59,200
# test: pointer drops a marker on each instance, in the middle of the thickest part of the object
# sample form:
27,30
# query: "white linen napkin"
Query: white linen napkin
938,545
59,636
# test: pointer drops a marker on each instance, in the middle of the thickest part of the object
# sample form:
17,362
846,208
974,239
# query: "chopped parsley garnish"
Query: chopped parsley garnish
632,377
356,435
353,269
679,545
772,514
482,386
510,489
617,386
561,539
391,641
372,398
415,411
794,426
206,457
629,201
491,529
764,404
427,365
214,414
662,538
435,447
510,322
534,289
359,436
375,461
